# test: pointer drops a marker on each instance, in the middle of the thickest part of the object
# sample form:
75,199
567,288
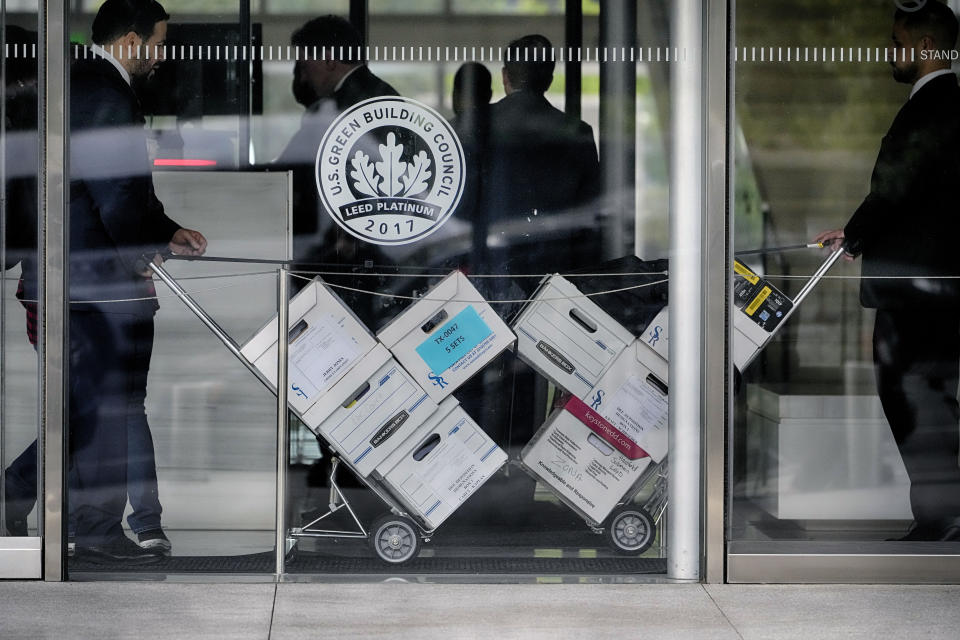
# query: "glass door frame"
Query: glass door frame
53,246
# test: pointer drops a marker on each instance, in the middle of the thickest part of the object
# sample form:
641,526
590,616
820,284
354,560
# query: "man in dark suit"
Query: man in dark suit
117,226
542,158
539,168
906,230
329,77
541,161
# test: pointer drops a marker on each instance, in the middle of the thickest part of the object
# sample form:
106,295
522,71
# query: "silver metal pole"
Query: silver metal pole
686,292
813,281
282,446
52,268
618,118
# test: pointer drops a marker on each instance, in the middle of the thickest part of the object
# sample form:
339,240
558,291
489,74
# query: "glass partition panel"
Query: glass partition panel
468,391
846,423
19,417
172,463
470,453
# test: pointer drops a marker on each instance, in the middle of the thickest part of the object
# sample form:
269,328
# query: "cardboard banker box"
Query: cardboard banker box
594,455
632,396
569,339
441,465
447,336
326,340
370,411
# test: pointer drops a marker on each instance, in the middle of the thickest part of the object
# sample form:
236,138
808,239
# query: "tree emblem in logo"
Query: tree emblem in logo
391,176
390,170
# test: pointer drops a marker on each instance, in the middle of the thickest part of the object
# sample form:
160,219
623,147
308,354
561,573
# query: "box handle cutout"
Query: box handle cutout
598,442
581,319
356,395
428,445
435,321
297,331
655,382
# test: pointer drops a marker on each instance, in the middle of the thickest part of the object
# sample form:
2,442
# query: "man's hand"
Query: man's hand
834,240
187,242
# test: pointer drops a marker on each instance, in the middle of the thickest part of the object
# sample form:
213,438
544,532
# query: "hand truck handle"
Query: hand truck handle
817,276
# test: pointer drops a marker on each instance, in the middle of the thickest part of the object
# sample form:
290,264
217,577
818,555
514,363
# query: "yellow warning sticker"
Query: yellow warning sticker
755,304
740,269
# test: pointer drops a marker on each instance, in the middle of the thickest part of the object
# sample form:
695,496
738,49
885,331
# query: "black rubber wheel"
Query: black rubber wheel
394,539
631,530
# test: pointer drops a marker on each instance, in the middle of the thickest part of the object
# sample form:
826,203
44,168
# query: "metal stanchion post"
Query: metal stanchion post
282,447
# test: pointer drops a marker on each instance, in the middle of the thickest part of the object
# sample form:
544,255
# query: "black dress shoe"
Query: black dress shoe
120,550
917,532
951,533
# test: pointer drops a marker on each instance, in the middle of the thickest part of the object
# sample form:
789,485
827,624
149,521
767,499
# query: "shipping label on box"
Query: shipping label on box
586,460
325,341
759,300
569,339
442,464
447,337
761,308
632,396
370,411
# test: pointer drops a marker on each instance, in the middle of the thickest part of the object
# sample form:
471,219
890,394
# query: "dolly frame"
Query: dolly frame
653,509
400,528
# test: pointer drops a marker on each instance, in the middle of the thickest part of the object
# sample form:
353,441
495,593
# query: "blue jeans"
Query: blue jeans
111,449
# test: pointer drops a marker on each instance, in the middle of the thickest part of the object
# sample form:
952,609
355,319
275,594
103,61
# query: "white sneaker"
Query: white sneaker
155,540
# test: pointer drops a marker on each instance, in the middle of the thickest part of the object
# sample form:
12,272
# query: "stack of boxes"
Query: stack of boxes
384,404
594,451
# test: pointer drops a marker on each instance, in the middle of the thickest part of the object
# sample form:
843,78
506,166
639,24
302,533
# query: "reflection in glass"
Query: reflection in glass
530,205
19,420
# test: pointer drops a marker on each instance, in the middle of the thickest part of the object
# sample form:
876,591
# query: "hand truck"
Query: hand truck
760,310
395,537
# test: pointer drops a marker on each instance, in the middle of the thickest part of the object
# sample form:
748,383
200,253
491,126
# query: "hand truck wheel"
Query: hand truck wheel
631,530
394,539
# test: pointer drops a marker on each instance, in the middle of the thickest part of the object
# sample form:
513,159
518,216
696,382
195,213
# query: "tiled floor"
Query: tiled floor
407,610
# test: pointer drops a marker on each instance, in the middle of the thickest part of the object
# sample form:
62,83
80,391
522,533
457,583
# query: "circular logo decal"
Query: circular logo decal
390,170
910,6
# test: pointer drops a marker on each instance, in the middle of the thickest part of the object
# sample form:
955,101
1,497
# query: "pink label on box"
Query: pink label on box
596,423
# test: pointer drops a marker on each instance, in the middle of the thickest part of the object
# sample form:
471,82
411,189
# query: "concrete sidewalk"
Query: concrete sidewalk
139,610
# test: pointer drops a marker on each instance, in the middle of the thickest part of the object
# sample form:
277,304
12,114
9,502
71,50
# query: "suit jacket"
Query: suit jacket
115,217
909,223
539,163
361,85
539,158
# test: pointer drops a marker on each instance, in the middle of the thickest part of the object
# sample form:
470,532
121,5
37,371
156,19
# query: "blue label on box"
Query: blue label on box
453,340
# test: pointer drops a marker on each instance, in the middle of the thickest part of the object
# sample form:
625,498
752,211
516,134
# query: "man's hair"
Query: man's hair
472,86
117,18
339,38
530,63
934,19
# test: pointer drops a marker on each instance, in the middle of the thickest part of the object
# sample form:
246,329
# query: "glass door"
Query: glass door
845,429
